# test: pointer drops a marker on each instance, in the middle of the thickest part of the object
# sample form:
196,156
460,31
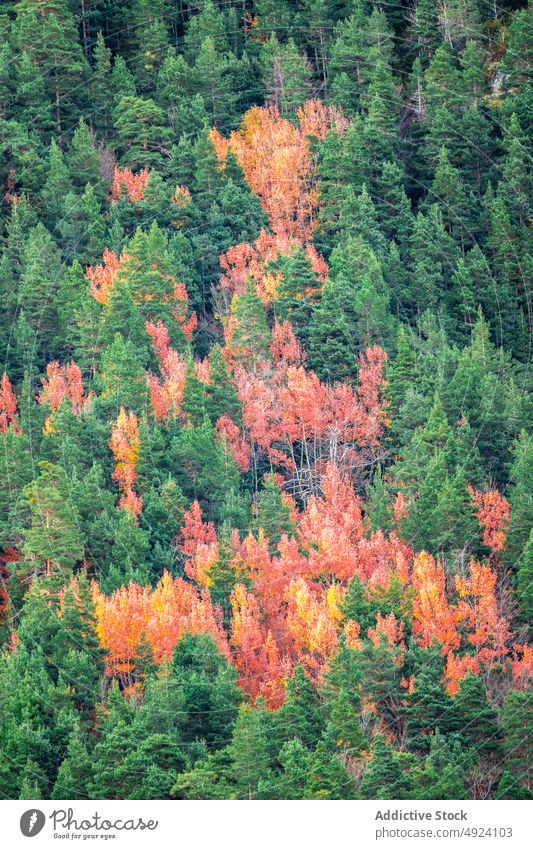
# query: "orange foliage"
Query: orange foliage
181,197
316,118
124,444
389,628
102,278
476,614
160,615
270,577
134,184
380,557
330,529
400,508
351,633
8,406
203,370
276,158
181,306
492,511
289,612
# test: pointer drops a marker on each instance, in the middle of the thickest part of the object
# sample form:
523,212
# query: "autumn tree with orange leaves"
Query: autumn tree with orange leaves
265,454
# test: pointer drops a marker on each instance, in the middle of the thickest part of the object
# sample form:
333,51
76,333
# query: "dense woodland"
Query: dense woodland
265,475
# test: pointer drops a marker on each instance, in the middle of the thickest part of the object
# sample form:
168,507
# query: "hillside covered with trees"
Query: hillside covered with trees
265,472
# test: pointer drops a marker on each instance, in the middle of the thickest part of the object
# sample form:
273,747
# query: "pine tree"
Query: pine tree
524,581
101,85
122,81
83,160
222,398
429,707
294,759
395,216
448,191
58,184
510,788
197,698
344,730
203,469
41,272
295,291
56,52
53,540
401,372
300,715
33,107
442,773
516,718
122,378
212,80
128,555
143,139
328,777
273,514
426,35
75,771
479,726
15,473
250,337
209,23
473,59
384,777
521,499
286,76
518,54
150,42
249,750
516,183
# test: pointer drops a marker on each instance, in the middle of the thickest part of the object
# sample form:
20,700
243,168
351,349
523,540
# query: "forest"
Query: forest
266,478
